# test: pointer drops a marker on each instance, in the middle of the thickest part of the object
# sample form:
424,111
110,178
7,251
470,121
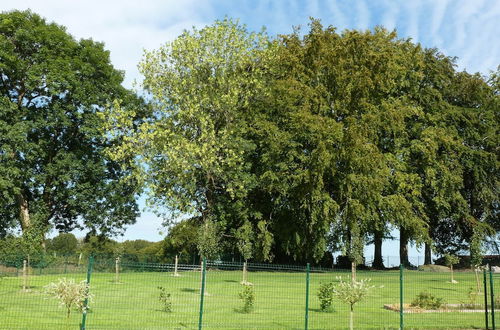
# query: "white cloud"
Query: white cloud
362,15
411,18
390,15
438,14
339,18
125,27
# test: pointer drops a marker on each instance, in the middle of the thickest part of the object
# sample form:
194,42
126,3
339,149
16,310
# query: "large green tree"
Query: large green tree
336,144
194,149
53,170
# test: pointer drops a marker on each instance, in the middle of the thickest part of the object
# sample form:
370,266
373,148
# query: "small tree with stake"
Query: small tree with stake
451,260
208,241
476,257
352,292
70,294
245,244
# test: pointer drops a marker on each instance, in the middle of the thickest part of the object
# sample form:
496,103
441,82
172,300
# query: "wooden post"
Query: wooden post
117,269
175,266
25,275
244,281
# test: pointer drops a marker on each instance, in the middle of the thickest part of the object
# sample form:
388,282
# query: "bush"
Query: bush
165,299
427,300
70,294
325,296
248,297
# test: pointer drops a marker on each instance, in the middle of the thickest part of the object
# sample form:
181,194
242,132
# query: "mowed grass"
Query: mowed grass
279,301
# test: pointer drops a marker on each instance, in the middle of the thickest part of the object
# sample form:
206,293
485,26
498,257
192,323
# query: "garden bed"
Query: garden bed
447,308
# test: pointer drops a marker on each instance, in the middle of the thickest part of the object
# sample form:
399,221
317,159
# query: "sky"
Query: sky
467,29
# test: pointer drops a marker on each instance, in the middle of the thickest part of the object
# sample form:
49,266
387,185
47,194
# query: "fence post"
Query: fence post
401,308
308,269
86,302
202,295
117,269
175,266
492,296
485,299
24,275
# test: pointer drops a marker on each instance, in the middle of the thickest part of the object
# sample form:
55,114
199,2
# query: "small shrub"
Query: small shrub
165,300
351,292
472,294
326,296
70,294
248,297
427,300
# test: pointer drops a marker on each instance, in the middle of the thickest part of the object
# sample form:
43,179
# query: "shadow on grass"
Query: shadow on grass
444,289
190,290
242,311
317,310
231,281
31,288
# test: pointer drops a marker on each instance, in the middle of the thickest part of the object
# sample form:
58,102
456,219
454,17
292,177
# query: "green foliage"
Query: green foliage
476,251
100,245
196,148
165,300
352,292
181,240
63,244
427,300
451,260
472,295
71,295
208,240
245,240
326,296
314,141
248,297
54,171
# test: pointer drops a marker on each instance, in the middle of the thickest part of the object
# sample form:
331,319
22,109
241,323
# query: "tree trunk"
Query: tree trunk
428,254
403,248
24,214
378,261
351,319
353,271
478,286
244,281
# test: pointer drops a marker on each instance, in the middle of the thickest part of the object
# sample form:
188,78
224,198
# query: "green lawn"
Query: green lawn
280,302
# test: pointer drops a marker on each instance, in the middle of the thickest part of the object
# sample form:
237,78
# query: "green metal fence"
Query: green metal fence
214,295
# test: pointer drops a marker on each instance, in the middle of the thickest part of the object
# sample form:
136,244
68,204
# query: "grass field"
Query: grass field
279,301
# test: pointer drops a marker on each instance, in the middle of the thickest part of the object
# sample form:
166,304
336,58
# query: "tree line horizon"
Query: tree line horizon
282,148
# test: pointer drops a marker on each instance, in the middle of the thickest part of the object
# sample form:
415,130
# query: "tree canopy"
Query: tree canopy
320,141
287,147
53,170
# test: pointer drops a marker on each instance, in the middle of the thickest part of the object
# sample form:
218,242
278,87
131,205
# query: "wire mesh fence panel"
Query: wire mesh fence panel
144,296
24,299
266,298
441,299
139,295
328,311
496,297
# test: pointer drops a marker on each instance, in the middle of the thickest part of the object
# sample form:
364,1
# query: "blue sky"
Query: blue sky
467,29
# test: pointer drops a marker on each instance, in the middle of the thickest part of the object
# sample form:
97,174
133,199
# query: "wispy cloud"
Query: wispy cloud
362,15
126,28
